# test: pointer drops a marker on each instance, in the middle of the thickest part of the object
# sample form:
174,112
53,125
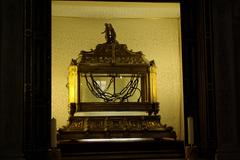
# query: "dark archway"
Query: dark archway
26,95
197,73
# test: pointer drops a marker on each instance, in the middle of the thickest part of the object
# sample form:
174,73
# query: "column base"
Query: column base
191,152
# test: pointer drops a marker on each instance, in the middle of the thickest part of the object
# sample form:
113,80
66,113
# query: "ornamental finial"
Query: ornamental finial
110,34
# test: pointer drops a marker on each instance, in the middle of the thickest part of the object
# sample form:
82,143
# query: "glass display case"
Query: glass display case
112,78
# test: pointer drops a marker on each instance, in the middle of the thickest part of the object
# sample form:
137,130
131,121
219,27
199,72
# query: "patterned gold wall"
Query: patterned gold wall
158,39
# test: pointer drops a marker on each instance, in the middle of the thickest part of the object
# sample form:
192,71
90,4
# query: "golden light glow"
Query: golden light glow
72,84
158,37
153,83
115,9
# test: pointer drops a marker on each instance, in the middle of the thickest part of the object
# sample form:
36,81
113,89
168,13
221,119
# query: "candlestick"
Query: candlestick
190,131
191,153
53,133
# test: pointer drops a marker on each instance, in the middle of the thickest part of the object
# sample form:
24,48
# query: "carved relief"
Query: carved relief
95,124
115,123
112,127
104,54
77,125
134,124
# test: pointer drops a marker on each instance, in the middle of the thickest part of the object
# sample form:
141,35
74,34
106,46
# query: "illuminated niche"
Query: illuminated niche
124,73
157,36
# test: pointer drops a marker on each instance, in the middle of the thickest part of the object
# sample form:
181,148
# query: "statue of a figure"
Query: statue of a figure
110,34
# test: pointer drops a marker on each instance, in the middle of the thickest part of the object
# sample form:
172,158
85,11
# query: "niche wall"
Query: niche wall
154,30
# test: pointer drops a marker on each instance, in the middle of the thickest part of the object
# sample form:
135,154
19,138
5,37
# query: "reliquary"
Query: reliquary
112,78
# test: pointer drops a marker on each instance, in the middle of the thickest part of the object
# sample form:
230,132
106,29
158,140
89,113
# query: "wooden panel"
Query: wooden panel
128,106
142,69
144,149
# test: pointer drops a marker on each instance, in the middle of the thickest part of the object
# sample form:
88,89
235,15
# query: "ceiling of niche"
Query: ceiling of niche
91,9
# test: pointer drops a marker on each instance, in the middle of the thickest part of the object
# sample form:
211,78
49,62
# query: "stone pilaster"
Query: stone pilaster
11,80
226,44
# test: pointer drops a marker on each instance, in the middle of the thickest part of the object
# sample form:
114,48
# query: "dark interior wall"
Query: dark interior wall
198,74
25,82
37,78
236,37
11,79
211,82
226,24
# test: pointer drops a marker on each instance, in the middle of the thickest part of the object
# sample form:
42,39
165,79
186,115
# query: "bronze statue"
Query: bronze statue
110,34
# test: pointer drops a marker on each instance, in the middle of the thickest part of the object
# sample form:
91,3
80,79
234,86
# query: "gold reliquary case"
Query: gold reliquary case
112,78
